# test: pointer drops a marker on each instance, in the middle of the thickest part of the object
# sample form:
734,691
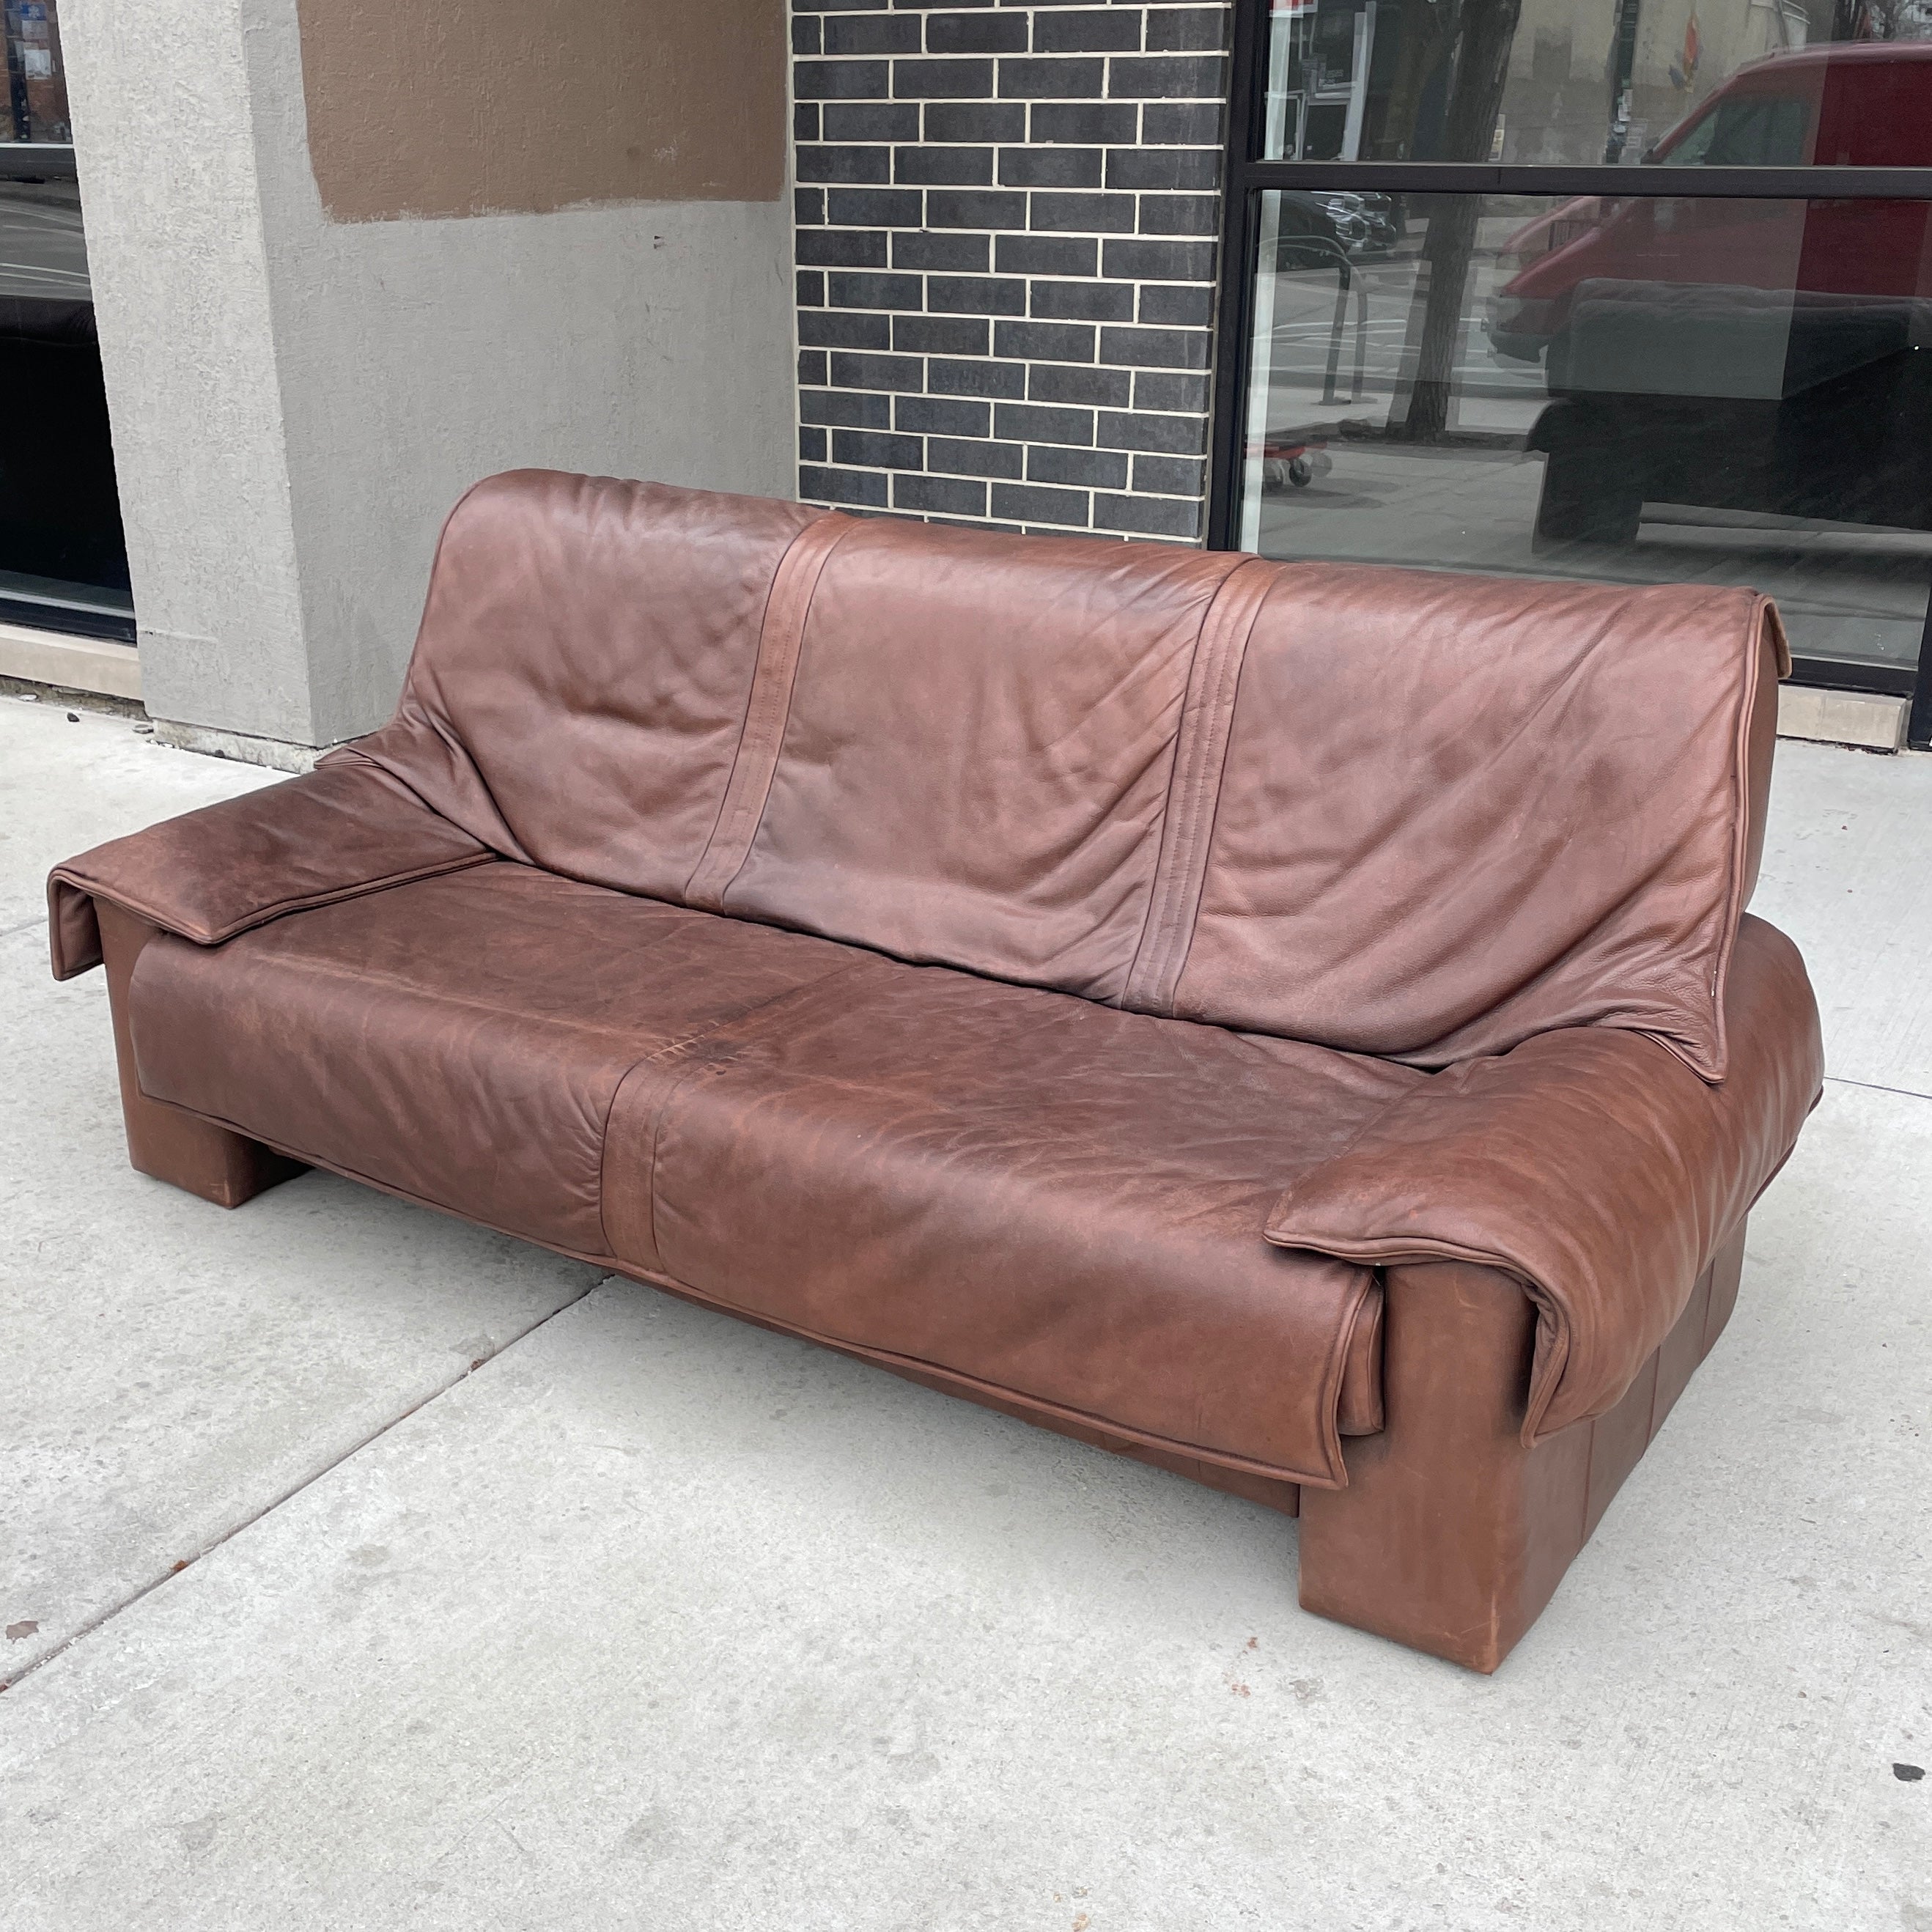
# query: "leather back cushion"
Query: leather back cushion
1426,816
1458,811
580,680
977,759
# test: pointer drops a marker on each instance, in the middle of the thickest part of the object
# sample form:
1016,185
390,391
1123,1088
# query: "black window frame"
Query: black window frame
1246,179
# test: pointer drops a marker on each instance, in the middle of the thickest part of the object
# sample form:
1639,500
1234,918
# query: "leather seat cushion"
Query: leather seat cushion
459,1039
1021,1188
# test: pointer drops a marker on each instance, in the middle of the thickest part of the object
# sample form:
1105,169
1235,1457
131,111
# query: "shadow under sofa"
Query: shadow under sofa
1295,1024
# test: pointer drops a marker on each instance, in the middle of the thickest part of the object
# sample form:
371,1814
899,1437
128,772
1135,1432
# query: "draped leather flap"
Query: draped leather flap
1397,812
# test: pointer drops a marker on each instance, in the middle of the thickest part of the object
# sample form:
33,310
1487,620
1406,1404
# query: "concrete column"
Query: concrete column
164,138
347,260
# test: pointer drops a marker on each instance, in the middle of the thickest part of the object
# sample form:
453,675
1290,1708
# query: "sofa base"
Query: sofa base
1451,1536
169,1143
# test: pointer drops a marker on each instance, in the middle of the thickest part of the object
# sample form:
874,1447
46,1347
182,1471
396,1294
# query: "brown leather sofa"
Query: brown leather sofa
1294,1023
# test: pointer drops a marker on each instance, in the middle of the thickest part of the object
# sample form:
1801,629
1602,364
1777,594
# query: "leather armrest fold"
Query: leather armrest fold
346,828
1590,1163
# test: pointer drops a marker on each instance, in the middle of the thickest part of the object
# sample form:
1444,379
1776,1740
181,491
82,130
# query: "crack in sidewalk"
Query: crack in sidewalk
113,1610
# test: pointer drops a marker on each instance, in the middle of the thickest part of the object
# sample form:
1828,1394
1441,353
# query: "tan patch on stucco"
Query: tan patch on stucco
451,107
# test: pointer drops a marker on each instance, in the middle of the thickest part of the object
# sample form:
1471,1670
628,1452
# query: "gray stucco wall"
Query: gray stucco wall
297,402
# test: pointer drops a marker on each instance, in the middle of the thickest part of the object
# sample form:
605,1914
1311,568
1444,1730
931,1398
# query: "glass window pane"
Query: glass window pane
1715,83
1630,390
63,563
36,108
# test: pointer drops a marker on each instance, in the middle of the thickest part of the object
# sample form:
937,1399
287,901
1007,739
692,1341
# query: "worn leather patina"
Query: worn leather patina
1070,974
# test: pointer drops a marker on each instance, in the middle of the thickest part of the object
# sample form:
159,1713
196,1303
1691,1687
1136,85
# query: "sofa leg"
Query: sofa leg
167,1142
1451,1536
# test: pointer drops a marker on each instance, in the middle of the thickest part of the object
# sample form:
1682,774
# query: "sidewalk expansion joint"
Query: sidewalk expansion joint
1877,1087
295,1488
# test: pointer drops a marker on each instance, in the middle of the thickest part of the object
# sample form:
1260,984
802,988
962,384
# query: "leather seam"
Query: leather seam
280,909
665,1056
1200,753
767,709
1149,919
1203,831
675,1067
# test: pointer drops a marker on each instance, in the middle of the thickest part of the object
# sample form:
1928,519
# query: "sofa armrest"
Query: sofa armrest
346,828
1592,1165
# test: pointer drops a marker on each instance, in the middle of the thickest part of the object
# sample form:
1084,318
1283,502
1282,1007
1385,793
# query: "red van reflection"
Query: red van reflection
1742,354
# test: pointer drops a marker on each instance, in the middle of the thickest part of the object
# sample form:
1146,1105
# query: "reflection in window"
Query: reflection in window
1623,388
1733,83
36,76
63,564
1768,132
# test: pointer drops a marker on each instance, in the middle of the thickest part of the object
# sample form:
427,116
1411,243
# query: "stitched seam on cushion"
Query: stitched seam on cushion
1200,751
1150,919
751,692
671,1050
1193,741
767,709
1204,828
671,1070
281,908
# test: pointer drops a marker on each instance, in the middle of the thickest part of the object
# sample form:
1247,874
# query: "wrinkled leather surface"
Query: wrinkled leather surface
578,686
1442,813
1590,1165
1040,1193
1049,1198
976,758
209,874
1456,811
460,1039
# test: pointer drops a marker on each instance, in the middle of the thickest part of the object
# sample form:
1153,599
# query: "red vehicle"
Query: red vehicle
1865,104
1745,354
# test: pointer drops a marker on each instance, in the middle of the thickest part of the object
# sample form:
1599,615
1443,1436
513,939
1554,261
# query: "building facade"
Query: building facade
1007,221
1634,293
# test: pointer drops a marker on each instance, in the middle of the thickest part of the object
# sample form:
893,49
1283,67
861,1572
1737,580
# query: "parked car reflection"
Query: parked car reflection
1747,355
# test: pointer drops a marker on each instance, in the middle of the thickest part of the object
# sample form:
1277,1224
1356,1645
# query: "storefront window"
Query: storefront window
1730,83
36,76
1631,389
63,563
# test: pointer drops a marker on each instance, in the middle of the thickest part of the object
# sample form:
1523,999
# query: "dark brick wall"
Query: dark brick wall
1007,225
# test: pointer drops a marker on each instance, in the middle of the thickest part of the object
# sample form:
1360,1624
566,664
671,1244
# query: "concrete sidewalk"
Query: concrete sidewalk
514,1597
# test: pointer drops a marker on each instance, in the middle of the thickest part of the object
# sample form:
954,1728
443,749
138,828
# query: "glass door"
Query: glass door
63,561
